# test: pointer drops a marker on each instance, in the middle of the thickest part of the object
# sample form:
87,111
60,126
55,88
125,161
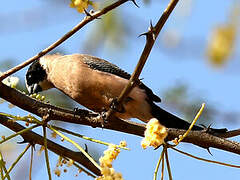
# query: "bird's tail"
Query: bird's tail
171,121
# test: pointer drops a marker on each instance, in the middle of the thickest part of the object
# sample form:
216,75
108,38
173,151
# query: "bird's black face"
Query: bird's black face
35,75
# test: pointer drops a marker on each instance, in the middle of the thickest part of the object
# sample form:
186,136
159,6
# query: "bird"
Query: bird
95,83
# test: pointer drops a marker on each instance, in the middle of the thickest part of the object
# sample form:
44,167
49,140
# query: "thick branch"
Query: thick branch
85,117
86,20
34,138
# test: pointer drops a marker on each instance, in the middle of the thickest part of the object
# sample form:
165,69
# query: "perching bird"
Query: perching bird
94,83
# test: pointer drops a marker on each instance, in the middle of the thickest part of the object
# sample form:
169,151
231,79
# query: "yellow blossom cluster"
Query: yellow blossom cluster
155,134
81,5
222,41
60,166
109,155
108,173
221,44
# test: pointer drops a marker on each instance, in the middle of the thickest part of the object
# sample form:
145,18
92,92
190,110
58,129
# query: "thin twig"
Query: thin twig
192,124
31,164
77,146
162,171
46,153
206,160
24,118
158,164
168,165
151,35
87,138
86,20
18,133
16,161
3,167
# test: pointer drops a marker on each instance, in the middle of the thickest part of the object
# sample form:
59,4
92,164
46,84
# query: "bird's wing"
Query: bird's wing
105,66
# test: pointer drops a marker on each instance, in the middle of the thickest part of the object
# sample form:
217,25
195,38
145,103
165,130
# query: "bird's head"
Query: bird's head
36,78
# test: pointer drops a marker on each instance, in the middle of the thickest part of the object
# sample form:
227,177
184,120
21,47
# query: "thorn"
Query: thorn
25,141
208,149
208,129
86,148
22,142
151,25
157,147
134,2
143,34
87,13
92,12
152,30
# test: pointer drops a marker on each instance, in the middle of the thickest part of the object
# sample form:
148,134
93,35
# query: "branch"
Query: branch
199,138
34,138
84,117
85,21
151,36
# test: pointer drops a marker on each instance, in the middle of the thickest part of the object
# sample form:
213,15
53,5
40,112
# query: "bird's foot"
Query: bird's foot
104,118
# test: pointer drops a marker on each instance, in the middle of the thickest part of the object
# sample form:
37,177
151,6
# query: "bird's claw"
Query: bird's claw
103,117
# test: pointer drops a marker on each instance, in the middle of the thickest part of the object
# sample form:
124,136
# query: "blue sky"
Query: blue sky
20,41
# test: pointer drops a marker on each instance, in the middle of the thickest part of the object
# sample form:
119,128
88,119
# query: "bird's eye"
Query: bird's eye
29,76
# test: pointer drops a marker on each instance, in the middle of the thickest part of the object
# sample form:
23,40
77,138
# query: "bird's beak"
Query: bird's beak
34,88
